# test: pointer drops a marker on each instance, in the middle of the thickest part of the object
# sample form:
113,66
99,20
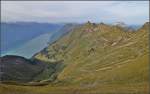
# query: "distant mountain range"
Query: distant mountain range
14,35
17,37
108,59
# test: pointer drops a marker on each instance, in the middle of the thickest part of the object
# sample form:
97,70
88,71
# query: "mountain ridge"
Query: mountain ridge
91,39
97,59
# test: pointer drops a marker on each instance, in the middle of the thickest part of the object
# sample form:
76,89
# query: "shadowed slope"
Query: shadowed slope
19,70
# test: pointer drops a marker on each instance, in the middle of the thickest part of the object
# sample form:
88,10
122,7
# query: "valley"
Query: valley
96,58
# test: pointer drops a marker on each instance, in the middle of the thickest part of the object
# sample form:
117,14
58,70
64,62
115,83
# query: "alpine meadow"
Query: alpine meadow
78,47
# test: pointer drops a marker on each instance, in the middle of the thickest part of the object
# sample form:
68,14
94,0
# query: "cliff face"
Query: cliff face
100,53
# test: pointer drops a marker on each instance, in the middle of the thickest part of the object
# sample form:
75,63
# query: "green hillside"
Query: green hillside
99,59
99,53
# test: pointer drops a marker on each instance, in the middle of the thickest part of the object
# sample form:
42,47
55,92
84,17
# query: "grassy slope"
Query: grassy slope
105,61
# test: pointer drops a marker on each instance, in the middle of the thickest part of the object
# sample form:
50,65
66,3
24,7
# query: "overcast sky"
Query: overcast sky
130,12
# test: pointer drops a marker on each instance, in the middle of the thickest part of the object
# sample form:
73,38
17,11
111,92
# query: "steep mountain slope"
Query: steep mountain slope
63,31
37,42
98,59
99,53
13,68
22,71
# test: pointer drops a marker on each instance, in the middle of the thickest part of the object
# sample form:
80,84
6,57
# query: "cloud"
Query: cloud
75,11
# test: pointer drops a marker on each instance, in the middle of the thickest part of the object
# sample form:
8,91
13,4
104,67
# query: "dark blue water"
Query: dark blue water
14,35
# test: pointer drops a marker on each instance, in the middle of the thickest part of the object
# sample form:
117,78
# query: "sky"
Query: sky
129,12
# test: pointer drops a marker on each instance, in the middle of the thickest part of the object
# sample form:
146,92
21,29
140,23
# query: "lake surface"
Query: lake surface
31,47
25,38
